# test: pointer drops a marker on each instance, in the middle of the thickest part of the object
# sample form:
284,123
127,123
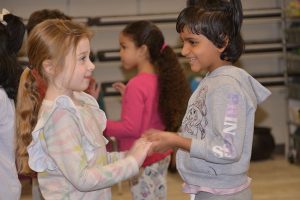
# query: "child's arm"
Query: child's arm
135,151
129,125
162,140
64,145
120,87
226,131
114,156
223,143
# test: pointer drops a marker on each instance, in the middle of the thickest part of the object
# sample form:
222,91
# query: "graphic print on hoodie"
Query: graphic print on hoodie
196,118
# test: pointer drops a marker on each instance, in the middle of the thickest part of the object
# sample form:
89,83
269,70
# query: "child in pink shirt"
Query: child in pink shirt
155,98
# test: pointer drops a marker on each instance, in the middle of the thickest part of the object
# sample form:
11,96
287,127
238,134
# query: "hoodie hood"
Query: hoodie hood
255,90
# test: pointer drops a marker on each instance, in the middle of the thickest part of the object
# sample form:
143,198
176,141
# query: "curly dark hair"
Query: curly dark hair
219,21
11,39
174,90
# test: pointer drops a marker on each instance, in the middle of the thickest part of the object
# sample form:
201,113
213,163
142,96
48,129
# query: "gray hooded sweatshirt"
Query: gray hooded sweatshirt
220,121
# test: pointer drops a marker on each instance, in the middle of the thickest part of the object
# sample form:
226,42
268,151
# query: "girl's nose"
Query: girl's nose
91,66
184,50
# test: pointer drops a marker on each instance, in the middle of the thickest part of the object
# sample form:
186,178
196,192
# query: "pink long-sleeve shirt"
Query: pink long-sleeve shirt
139,113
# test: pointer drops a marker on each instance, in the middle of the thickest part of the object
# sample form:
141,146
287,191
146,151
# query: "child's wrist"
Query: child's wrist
174,141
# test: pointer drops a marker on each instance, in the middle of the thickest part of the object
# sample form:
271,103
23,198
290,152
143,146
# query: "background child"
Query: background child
39,16
59,134
155,98
216,134
12,32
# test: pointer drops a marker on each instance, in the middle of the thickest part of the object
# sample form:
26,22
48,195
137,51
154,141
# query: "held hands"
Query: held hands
120,87
139,150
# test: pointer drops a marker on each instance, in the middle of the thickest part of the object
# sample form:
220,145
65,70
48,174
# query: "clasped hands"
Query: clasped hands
152,140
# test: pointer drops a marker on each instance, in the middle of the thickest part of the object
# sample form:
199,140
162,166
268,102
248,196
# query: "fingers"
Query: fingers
151,135
119,86
116,84
140,150
150,132
147,147
94,90
97,89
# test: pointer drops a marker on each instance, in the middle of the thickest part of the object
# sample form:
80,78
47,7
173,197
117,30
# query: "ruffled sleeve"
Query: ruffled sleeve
39,160
61,142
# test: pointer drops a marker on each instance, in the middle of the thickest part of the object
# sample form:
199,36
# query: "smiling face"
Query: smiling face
201,53
83,67
78,68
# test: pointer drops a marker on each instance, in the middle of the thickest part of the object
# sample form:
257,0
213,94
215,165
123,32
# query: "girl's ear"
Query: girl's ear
143,50
48,66
225,45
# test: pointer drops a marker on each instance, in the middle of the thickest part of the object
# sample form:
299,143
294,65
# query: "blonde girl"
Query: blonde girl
59,127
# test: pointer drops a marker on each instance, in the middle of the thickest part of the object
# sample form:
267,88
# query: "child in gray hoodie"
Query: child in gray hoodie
215,139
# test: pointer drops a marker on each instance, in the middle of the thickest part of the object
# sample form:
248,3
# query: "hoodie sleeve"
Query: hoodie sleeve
224,139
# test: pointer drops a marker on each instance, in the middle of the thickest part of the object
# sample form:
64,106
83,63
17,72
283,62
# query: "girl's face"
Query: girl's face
202,54
128,52
77,72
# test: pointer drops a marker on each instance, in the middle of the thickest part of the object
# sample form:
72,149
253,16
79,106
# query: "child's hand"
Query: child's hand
93,89
139,150
161,140
120,87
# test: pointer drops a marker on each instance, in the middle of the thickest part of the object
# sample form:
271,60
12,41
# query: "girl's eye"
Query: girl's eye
192,42
83,58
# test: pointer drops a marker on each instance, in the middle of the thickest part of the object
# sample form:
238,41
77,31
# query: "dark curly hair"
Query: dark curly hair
11,39
219,21
174,90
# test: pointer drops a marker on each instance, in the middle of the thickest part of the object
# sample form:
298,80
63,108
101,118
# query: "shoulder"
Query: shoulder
143,78
5,103
228,77
86,98
223,83
232,74
3,95
222,86
54,111
143,81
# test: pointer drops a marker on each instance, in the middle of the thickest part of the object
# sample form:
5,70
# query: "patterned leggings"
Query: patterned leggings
150,184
